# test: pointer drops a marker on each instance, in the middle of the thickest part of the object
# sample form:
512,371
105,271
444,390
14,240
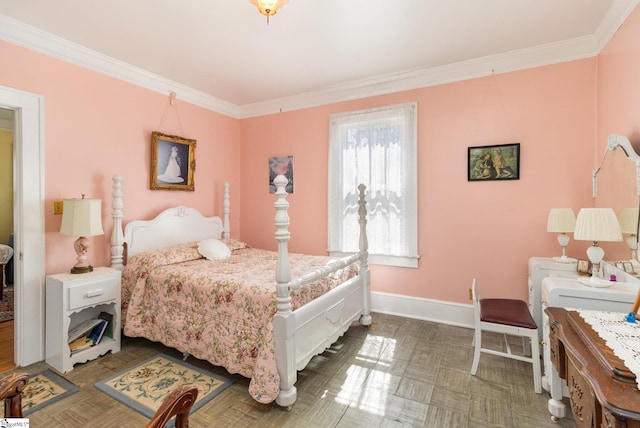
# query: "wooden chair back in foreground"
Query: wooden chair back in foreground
507,317
177,404
11,388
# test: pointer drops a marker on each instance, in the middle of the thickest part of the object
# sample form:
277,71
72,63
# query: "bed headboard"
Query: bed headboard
172,226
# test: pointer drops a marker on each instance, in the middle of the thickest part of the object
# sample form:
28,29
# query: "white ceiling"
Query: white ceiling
222,54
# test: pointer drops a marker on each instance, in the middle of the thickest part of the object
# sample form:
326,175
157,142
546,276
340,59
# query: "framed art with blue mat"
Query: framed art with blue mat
45,388
144,386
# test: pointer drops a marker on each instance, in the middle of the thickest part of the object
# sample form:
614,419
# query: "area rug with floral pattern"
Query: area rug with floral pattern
144,386
6,304
44,388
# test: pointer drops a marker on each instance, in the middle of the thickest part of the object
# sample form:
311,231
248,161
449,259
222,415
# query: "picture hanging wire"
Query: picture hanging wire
172,104
492,90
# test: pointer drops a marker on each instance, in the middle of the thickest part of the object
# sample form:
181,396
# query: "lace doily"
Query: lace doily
621,336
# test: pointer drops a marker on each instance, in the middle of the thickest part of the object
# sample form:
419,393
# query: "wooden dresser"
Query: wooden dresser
602,391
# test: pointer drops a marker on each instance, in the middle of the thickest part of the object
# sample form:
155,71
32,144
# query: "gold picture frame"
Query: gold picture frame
583,267
173,162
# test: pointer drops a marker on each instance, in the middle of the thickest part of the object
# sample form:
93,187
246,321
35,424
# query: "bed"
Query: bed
265,324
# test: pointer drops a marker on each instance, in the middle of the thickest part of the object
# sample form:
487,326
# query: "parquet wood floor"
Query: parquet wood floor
6,346
399,372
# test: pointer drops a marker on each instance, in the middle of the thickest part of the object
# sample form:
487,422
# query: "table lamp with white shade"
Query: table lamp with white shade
562,221
596,225
628,219
81,218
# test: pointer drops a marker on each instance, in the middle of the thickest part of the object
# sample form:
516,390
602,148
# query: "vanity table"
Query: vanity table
616,185
571,293
603,391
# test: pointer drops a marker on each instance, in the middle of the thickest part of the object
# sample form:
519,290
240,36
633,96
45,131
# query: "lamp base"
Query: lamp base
595,282
564,259
82,269
81,245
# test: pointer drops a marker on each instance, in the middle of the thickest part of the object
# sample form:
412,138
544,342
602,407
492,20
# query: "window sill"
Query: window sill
380,259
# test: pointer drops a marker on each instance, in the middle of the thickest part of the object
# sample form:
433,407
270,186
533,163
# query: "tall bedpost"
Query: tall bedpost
284,320
365,319
226,208
117,236
281,220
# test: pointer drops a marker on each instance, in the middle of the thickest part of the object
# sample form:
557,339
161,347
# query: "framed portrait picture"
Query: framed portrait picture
583,267
173,162
628,267
281,165
499,162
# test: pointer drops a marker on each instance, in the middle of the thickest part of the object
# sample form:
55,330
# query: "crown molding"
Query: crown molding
33,38
569,50
615,17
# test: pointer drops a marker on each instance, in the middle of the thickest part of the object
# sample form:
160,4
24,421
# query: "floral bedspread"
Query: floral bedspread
220,311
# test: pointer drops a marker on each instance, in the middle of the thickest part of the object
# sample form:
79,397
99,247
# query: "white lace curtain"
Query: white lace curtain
377,147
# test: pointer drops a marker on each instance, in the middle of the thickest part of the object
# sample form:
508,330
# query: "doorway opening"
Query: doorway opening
28,223
7,327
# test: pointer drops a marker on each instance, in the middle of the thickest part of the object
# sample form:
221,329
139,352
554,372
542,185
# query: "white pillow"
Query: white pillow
213,249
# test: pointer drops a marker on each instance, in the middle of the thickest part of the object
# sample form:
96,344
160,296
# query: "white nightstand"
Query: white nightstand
72,299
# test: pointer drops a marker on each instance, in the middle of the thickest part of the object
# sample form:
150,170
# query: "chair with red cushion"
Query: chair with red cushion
509,317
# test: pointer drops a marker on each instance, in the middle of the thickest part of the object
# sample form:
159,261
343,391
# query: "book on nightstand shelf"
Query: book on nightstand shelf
83,329
97,332
80,344
89,333
109,317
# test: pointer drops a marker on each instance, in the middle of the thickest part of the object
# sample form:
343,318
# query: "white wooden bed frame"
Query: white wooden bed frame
299,334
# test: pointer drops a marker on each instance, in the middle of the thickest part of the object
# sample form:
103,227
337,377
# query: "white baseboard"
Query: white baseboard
439,311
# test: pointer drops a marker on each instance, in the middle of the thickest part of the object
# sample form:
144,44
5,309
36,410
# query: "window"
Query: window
377,147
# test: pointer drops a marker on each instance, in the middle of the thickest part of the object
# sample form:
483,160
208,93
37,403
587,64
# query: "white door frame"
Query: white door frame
28,214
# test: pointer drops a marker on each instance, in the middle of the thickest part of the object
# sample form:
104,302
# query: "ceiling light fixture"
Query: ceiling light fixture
268,7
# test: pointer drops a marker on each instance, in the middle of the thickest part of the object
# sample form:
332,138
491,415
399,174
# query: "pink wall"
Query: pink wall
96,126
483,229
619,85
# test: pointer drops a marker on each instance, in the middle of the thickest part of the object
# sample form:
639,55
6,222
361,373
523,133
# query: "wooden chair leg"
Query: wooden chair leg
477,341
535,361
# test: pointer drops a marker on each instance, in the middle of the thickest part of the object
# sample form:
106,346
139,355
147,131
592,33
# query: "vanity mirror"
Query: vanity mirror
616,184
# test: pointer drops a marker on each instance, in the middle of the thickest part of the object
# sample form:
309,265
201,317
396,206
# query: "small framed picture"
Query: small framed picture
628,267
583,267
173,162
281,165
500,162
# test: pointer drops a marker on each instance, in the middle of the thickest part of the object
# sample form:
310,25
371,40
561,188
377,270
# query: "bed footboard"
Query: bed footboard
308,331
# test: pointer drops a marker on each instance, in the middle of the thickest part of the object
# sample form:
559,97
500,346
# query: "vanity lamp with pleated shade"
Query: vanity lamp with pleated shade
81,218
628,219
562,221
597,225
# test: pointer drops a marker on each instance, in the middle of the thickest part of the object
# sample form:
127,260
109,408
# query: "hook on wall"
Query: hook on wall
172,97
